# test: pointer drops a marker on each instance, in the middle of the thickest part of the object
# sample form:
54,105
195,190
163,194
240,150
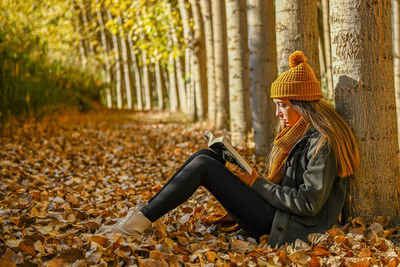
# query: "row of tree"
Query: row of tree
216,60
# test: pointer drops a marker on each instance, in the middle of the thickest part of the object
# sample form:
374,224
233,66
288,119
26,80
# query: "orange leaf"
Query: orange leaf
27,247
366,252
320,251
359,221
335,232
239,246
314,262
211,256
364,263
382,246
101,240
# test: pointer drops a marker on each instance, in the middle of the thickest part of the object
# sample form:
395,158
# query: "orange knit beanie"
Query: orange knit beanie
297,83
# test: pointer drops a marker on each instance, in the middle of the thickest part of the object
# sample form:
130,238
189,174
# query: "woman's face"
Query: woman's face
286,112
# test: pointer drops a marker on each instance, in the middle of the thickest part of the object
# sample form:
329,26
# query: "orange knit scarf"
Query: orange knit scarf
285,140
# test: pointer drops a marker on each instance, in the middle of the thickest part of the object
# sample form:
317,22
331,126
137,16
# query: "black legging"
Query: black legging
205,168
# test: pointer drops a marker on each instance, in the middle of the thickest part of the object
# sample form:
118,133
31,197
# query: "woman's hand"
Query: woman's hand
244,176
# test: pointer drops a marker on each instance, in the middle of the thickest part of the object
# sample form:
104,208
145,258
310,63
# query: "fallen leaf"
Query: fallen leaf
211,256
366,252
101,240
320,251
239,246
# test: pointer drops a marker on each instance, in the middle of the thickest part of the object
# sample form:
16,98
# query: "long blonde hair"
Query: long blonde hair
334,130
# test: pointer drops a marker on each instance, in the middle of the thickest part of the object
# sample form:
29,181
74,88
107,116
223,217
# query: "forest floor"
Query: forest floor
63,177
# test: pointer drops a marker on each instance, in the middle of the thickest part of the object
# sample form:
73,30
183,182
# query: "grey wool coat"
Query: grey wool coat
310,196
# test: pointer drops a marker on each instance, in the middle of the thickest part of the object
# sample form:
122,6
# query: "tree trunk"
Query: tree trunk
165,81
396,57
173,92
180,82
105,56
118,72
146,82
327,46
187,35
127,71
86,26
77,24
160,92
190,89
263,71
199,67
297,29
321,59
221,64
362,66
136,70
238,57
208,33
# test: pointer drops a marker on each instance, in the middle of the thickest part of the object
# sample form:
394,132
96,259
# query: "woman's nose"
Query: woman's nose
277,112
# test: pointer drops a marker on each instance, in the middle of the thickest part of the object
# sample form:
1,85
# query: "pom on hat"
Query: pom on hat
296,58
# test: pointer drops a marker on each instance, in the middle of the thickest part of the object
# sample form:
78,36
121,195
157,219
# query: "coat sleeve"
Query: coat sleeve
309,197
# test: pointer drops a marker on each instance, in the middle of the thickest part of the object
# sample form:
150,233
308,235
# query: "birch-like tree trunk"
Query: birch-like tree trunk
180,82
146,82
297,29
165,80
220,64
396,57
127,70
86,29
362,65
263,71
160,91
208,33
77,24
327,46
136,71
173,92
105,56
199,66
187,35
118,72
238,58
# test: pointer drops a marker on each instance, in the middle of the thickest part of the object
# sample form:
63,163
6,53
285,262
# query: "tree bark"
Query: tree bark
127,70
105,56
180,82
263,71
297,29
165,80
136,70
86,26
199,67
160,91
173,92
396,57
187,35
146,82
362,65
77,24
208,33
327,46
221,64
118,72
238,57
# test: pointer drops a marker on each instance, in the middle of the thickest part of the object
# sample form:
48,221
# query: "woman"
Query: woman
306,183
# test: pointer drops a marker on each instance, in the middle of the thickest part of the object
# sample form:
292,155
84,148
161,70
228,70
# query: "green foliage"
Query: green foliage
31,76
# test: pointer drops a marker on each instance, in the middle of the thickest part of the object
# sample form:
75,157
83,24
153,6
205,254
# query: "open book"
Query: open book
224,149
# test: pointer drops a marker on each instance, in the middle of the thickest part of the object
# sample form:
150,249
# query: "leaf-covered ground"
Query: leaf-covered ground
63,177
